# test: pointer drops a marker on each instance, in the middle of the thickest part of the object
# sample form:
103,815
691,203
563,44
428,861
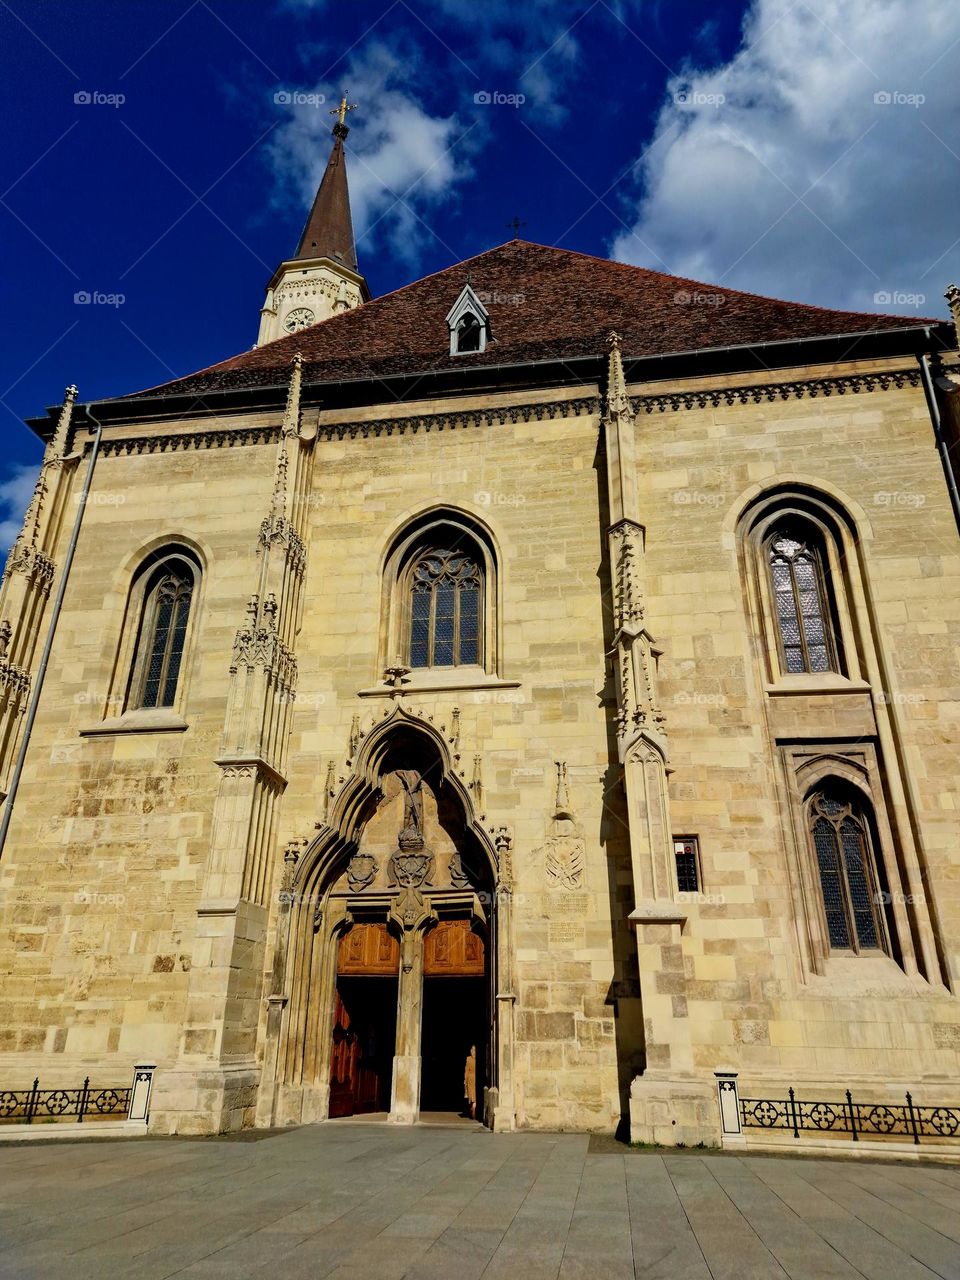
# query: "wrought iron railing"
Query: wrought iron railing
869,1119
27,1105
132,1102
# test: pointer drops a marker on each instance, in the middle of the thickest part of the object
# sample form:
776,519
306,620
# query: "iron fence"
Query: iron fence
27,1105
873,1119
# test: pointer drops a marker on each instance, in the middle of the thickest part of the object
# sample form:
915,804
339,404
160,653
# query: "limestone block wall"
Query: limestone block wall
753,1004
110,832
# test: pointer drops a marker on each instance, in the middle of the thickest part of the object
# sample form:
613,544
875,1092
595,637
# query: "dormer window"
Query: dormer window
469,324
469,333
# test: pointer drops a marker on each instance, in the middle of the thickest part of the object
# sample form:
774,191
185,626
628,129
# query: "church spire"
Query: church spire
322,278
329,228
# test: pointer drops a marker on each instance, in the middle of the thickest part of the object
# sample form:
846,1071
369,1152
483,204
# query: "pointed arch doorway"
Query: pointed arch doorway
393,975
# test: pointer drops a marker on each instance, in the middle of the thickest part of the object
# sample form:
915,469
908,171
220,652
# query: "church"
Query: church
529,696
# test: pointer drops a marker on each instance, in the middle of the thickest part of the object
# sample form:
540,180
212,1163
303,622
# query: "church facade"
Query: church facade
525,694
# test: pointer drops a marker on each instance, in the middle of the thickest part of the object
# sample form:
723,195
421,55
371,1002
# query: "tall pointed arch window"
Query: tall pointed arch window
168,595
804,618
445,585
840,832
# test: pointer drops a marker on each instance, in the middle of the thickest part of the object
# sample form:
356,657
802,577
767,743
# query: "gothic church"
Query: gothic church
528,696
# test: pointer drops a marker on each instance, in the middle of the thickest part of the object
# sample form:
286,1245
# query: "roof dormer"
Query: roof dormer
469,324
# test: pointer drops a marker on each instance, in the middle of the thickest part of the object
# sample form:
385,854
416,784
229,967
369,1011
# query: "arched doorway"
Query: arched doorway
391,968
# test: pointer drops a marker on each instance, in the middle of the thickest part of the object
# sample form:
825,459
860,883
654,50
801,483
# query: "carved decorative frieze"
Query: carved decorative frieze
839,385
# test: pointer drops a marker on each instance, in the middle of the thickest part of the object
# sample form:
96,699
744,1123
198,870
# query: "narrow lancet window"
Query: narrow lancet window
803,618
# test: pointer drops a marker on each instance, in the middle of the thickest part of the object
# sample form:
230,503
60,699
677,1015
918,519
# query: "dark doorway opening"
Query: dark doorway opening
454,1018
364,1040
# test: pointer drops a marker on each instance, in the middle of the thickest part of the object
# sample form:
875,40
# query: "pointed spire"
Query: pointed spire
952,296
618,402
291,414
60,436
329,229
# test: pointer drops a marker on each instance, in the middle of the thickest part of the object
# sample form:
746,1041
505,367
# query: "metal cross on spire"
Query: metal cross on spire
344,107
515,224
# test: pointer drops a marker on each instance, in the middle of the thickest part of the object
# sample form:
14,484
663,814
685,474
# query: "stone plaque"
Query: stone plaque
575,905
565,933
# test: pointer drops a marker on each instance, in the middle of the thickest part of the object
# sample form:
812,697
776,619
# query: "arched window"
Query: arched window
445,585
839,830
801,604
468,333
163,627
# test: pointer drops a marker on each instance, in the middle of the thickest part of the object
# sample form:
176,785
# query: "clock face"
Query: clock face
298,318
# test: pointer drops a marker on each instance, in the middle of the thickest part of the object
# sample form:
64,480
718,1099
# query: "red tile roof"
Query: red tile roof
544,304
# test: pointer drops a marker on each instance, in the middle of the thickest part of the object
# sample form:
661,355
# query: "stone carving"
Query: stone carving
628,600
361,871
329,789
564,852
411,870
503,843
257,644
410,838
397,675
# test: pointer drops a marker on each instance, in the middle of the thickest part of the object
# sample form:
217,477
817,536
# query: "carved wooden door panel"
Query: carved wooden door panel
344,1065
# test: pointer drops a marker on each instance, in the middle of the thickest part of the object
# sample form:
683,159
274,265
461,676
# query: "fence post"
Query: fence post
913,1120
793,1111
728,1096
33,1100
84,1095
140,1091
853,1116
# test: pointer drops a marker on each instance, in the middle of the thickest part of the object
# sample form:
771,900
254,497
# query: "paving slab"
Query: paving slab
370,1200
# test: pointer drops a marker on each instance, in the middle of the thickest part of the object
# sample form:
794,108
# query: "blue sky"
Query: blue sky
161,157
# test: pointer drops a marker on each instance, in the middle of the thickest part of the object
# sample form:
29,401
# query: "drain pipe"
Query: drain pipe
945,460
48,643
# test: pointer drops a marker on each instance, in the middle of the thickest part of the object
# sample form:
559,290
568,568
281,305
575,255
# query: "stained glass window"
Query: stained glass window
800,604
848,881
445,609
160,650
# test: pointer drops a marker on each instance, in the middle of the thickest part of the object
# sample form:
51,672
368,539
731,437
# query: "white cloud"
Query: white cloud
403,162
15,494
877,181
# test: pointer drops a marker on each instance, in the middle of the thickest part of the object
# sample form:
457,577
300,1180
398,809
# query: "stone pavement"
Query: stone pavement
362,1200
